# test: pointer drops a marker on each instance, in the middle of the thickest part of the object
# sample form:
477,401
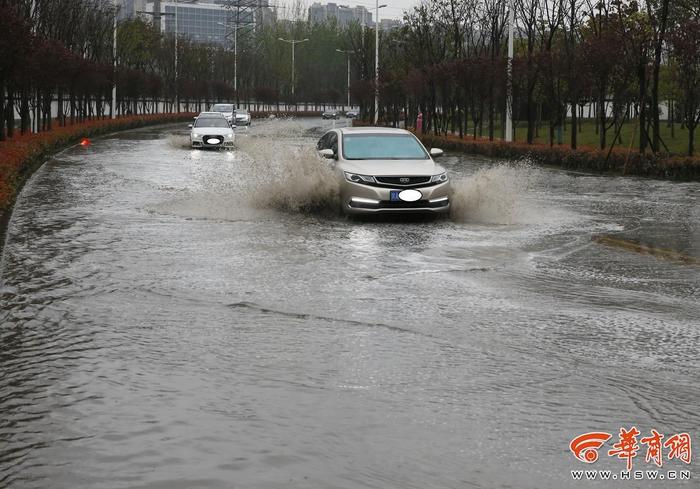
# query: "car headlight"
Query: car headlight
441,178
355,178
195,135
229,135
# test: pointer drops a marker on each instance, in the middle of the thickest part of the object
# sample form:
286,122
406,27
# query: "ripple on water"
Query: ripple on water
177,318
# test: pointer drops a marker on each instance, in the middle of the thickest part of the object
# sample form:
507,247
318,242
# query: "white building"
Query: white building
209,21
343,14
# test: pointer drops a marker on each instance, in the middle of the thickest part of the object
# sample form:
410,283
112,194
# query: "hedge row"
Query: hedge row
262,114
20,155
619,161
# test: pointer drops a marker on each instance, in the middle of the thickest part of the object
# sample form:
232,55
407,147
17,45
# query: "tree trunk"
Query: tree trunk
2,111
574,124
600,108
691,140
642,80
24,112
656,135
530,116
10,113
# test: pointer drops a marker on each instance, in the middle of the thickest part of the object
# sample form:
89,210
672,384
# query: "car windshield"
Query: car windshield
382,147
241,112
222,108
211,122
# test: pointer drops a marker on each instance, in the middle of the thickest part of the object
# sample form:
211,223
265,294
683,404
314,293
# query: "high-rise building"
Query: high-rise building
389,24
343,14
210,21
128,9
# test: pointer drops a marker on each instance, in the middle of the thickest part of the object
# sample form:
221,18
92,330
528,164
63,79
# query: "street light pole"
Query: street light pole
235,60
376,62
235,51
114,63
177,32
293,42
348,53
509,74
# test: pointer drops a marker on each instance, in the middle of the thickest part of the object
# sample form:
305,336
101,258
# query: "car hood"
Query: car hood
389,168
212,131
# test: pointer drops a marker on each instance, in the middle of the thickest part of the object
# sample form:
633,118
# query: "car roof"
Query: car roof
372,130
210,114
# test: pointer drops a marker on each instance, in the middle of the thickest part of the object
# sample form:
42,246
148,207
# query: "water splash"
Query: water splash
281,170
276,167
287,174
501,194
179,141
273,168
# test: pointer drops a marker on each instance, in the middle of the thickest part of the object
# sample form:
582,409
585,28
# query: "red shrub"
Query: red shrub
20,154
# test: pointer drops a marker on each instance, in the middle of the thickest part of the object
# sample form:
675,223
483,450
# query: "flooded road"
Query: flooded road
186,319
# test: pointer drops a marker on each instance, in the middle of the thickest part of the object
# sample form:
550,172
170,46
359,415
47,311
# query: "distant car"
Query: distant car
330,114
242,117
352,114
211,131
383,170
227,110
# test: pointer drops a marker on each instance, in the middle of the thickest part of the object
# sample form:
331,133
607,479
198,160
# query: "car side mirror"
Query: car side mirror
435,152
327,153
189,126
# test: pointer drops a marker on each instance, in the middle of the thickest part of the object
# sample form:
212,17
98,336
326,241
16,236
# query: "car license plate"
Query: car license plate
394,195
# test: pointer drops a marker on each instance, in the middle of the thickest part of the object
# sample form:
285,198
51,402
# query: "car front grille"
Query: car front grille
403,181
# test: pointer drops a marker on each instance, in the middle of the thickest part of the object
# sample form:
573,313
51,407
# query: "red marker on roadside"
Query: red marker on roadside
85,142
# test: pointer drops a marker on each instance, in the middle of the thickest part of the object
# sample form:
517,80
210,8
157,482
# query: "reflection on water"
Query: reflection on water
177,318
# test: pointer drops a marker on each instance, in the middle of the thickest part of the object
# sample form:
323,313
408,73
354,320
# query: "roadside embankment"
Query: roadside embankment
618,161
22,154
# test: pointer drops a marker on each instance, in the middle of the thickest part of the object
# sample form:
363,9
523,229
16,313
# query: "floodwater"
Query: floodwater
185,319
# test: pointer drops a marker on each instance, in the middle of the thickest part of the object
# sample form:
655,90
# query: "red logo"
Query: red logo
585,447
679,447
627,447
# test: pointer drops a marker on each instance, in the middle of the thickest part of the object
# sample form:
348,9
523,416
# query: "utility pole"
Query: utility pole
509,73
347,53
113,108
293,42
235,51
177,33
376,62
